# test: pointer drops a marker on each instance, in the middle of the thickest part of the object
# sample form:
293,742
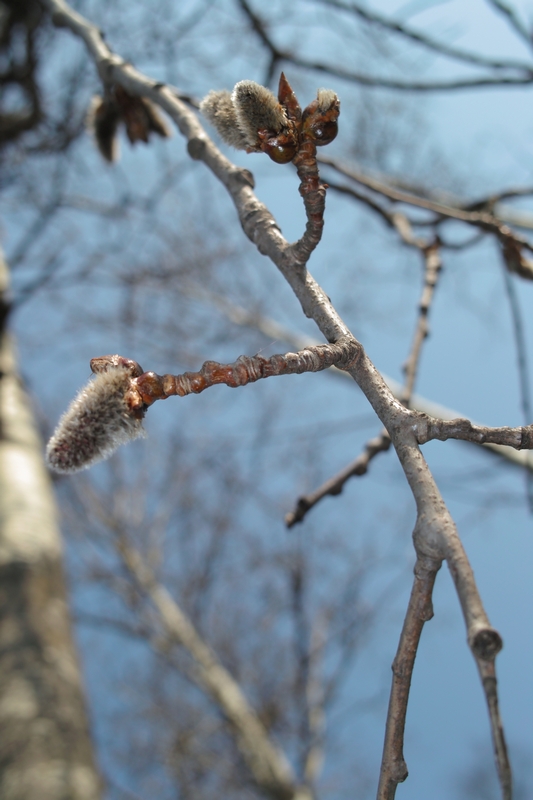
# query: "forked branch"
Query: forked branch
420,610
435,535
381,443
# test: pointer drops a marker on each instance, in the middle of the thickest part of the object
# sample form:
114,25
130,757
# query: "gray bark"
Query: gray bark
45,745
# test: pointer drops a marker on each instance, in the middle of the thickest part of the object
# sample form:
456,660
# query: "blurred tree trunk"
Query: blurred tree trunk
45,746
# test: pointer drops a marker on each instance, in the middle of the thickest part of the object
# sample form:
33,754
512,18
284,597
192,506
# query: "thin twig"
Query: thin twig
426,41
278,55
420,610
247,369
523,369
315,696
513,19
433,266
334,486
487,672
313,192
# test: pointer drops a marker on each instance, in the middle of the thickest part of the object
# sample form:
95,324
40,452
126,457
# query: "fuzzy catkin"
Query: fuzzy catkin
256,109
218,108
326,99
97,422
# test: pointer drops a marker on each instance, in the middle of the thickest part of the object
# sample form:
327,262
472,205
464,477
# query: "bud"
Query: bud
105,414
320,117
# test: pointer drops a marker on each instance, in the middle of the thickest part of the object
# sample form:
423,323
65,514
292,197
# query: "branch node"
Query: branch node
196,148
485,643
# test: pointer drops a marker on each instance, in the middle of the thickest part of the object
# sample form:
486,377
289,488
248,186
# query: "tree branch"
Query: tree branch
277,55
420,610
426,41
435,536
428,428
512,243
271,771
513,19
381,443
273,330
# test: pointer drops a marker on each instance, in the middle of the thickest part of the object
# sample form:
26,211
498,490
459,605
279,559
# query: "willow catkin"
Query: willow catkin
98,421
218,108
257,108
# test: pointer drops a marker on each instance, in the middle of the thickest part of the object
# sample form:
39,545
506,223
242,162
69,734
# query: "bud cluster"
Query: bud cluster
251,118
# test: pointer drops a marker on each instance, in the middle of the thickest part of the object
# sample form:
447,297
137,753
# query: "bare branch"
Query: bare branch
381,443
435,535
487,672
433,266
512,244
522,361
277,55
426,41
247,369
271,770
420,610
334,486
428,428
512,18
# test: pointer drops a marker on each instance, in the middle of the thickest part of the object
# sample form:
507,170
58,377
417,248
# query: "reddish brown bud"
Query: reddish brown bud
281,148
320,117
288,99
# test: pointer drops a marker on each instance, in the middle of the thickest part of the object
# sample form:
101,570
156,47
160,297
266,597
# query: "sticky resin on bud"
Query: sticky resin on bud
106,413
264,122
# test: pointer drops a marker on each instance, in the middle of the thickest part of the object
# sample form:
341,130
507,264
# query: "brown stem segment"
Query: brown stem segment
420,610
313,192
247,369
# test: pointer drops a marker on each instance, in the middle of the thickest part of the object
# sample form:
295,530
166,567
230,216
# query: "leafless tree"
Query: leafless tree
110,410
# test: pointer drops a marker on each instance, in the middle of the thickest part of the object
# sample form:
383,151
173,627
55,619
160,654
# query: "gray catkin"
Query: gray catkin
97,422
257,108
218,108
